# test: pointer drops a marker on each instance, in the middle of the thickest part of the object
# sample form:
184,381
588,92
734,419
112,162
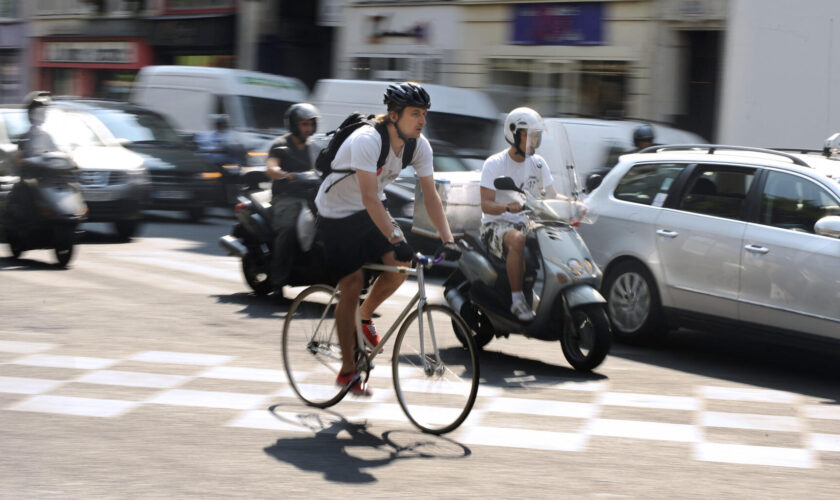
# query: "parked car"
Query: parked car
113,179
719,235
180,179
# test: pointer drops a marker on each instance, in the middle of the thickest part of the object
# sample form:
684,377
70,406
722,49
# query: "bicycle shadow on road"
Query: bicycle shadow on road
256,306
344,451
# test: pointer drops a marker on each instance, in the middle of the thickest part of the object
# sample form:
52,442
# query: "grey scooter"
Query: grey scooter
561,282
44,208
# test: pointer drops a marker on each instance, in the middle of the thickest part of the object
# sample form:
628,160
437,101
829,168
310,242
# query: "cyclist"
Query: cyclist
503,227
356,227
288,154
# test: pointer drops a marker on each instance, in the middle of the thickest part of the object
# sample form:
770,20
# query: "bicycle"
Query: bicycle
434,368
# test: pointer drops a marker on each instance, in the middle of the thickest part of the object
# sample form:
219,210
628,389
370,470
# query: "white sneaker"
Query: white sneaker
522,311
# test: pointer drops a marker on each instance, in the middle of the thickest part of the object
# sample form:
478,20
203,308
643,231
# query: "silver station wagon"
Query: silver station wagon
717,236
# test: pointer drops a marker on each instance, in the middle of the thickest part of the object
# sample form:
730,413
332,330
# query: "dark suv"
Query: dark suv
180,178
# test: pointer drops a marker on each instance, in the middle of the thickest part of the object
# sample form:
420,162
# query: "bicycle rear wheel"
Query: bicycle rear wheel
311,353
436,391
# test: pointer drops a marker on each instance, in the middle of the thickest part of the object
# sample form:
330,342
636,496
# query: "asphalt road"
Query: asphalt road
148,370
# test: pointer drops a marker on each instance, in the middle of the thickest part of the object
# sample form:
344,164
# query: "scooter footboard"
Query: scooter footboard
579,295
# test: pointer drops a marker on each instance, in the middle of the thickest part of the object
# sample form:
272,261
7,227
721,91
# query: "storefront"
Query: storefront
89,67
13,65
195,39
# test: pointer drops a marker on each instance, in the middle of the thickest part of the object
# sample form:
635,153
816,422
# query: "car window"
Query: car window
718,190
648,183
69,130
468,132
264,114
794,202
137,127
441,163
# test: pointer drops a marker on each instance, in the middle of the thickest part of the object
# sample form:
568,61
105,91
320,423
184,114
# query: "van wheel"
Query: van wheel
633,304
126,229
195,214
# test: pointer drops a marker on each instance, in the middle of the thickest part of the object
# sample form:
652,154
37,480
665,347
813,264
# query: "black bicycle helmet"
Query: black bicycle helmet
401,95
643,132
299,112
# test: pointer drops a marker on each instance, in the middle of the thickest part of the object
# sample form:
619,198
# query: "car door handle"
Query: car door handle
756,249
666,233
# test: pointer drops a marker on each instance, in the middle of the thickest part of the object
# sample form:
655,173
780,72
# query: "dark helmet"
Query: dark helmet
36,98
643,132
299,112
400,95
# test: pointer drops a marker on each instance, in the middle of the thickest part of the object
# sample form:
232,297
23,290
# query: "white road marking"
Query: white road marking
649,401
76,362
755,455
182,358
540,407
751,421
822,412
17,346
520,438
825,442
249,374
133,379
210,399
84,407
748,394
21,385
160,280
656,431
189,267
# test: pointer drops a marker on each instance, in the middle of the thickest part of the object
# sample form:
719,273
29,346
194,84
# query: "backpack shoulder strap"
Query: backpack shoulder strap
382,128
408,152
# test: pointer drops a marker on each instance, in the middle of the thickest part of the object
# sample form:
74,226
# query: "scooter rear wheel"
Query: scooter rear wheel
586,339
257,274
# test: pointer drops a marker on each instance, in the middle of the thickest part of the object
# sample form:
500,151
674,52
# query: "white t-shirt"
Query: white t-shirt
532,175
361,152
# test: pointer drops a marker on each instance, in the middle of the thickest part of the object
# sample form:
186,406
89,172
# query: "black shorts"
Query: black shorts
351,242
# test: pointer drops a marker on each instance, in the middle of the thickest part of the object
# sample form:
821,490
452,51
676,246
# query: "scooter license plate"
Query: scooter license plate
172,195
99,195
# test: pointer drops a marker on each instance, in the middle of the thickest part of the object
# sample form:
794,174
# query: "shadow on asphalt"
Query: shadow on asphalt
344,451
24,264
728,355
513,372
256,306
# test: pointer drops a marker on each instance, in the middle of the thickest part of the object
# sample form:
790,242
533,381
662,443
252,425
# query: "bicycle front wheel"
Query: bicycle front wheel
435,369
311,352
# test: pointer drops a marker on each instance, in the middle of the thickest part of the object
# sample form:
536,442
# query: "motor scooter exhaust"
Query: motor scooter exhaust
233,246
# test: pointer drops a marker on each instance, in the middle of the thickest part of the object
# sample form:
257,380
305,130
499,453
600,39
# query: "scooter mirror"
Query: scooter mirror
506,184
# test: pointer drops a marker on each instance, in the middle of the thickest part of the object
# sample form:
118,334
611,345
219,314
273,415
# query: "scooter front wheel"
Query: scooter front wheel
64,246
586,338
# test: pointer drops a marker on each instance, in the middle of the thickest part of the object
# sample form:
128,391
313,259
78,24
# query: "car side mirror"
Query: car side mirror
828,226
505,184
593,181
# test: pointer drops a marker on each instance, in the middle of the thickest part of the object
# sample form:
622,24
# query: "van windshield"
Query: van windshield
137,127
464,132
264,114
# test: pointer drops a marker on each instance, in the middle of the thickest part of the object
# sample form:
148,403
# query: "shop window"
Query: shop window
422,69
10,74
603,89
8,9
114,84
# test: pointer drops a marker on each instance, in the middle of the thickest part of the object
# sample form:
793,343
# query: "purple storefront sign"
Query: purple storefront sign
558,24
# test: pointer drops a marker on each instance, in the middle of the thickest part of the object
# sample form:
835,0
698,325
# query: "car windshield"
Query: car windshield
264,114
137,127
466,132
69,130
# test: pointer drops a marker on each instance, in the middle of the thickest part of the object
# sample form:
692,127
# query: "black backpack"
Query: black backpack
323,163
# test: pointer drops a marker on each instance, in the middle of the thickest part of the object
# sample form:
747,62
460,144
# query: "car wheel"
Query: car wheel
633,304
126,229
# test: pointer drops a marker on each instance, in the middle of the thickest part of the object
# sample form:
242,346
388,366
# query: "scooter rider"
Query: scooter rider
503,227
288,154
356,227
36,140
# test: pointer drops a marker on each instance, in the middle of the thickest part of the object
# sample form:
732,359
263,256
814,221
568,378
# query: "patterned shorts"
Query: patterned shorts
493,235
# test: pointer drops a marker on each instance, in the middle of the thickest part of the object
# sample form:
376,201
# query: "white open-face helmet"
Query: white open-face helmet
529,122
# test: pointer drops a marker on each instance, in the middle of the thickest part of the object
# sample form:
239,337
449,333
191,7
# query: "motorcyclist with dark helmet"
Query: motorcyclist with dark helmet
642,137
289,154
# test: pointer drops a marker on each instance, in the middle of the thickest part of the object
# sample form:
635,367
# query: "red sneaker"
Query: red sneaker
353,381
370,334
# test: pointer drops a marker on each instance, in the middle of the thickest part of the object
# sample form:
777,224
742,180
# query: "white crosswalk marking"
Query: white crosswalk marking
16,346
76,362
185,266
755,455
162,280
210,399
20,385
184,358
132,379
84,407
749,421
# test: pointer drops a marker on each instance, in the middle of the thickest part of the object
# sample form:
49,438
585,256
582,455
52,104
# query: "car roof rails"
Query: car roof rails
711,148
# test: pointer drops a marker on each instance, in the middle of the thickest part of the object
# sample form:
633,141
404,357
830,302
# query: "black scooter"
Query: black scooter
252,237
44,208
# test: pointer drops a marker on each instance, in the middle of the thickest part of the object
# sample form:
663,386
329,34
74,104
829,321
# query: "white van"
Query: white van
591,143
190,96
464,118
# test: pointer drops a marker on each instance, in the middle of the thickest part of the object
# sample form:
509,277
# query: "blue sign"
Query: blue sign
558,24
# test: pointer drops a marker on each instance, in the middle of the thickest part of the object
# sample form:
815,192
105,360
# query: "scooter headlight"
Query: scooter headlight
588,266
576,267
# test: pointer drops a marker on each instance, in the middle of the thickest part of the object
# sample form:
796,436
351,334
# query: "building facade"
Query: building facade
653,59
14,50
